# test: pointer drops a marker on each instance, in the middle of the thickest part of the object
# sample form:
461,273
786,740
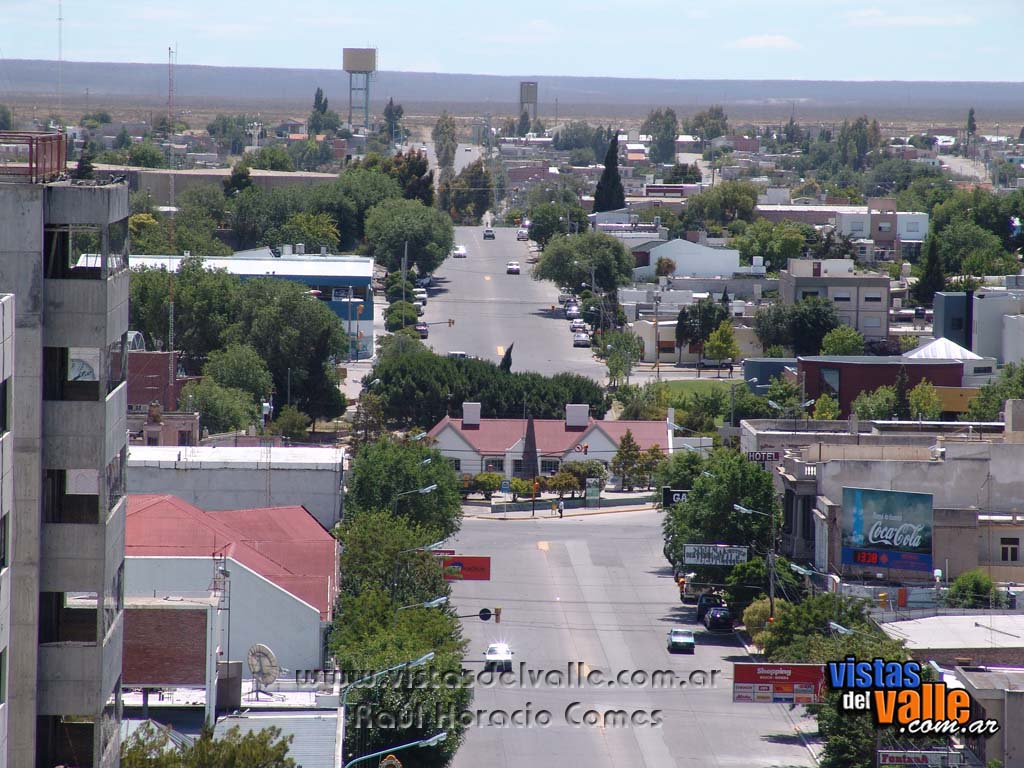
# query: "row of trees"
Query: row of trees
386,574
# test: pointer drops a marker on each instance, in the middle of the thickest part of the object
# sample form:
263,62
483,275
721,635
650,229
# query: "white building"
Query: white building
689,259
226,477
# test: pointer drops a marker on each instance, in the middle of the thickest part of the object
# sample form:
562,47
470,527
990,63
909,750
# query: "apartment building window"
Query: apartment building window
828,383
115,478
456,464
4,394
841,296
70,374
3,676
64,621
872,322
913,226
5,523
518,467
885,226
79,252
808,294
873,297
1009,549
71,496
857,226
549,466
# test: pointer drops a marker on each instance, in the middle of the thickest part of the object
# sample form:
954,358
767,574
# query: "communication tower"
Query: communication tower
360,63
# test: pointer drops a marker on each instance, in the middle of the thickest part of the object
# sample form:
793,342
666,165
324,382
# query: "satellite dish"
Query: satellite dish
263,665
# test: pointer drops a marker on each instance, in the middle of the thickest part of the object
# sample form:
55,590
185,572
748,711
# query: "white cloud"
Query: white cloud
874,17
765,43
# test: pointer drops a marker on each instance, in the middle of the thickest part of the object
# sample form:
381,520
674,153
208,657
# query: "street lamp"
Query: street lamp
372,679
437,602
433,741
771,555
423,491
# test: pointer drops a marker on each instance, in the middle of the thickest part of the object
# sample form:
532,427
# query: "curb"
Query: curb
618,510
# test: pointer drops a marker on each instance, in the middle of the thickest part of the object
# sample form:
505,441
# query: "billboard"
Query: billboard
887,529
935,758
466,568
359,59
670,496
778,683
713,554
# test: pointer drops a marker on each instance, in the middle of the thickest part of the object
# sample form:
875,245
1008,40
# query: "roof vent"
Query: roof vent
471,414
577,415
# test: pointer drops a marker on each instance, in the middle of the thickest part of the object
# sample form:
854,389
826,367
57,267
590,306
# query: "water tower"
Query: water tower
360,63
528,99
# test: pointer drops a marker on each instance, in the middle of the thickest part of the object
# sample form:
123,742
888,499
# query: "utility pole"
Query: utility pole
350,323
657,341
771,569
405,262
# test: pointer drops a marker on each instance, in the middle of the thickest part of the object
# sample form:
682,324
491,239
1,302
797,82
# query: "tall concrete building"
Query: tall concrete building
6,506
68,411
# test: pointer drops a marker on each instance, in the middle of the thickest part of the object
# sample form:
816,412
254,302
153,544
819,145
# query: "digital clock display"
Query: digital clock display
865,558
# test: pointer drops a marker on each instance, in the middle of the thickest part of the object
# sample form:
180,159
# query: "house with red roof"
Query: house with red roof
274,570
528,447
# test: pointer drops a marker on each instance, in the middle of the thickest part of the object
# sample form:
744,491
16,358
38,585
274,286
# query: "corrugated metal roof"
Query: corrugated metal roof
314,736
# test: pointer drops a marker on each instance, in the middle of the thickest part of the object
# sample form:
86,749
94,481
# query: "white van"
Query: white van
420,294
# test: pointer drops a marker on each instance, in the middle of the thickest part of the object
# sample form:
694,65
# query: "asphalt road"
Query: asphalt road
493,310
595,590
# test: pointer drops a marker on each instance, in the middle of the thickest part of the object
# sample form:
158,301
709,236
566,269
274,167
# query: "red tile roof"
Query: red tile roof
495,436
285,545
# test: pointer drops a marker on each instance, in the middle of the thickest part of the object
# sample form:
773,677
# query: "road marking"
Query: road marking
501,350
542,546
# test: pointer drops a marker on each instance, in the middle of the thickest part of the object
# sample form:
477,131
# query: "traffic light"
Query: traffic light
883,599
451,322
771,619
497,615
586,448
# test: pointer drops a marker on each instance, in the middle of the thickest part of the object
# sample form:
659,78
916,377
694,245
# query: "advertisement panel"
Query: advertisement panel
919,757
713,554
778,683
670,496
467,568
887,529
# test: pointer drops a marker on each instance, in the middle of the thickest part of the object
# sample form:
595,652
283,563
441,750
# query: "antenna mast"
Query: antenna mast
60,58
171,367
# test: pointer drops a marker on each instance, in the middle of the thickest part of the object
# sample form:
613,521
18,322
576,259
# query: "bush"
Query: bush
974,589
399,315
291,423
520,487
755,617
487,483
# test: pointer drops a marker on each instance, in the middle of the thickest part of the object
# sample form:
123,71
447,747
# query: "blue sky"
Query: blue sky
737,39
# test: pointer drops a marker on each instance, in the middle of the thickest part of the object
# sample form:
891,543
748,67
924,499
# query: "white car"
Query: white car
522,234
578,326
459,252
498,656
580,340
512,268
572,311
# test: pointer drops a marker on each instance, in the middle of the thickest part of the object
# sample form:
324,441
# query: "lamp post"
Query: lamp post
437,602
433,741
398,562
771,555
376,676
423,491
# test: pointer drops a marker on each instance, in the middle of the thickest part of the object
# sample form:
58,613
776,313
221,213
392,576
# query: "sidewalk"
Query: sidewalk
544,512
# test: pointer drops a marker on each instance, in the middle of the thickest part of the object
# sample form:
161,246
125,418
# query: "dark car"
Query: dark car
488,234
425,282
718,620
423,330
706,602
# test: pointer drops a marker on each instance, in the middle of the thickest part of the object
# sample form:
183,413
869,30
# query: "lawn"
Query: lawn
702,385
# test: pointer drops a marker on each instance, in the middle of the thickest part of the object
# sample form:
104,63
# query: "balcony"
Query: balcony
85,433
85,313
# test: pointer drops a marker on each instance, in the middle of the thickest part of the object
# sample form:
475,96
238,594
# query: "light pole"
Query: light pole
423,491
771,555
433,741
437,602
424,548
376,676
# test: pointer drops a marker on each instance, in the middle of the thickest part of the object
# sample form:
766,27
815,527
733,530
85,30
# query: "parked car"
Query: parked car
718,620
681,640
706,602
581,340
420,294
459,252
423,330
512,268
488,234
498,657
522,234
564,296
577,325
572,311
425,282
456,355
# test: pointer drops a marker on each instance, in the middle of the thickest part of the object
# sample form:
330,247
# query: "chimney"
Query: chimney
323,250
577,415
286,249
300,249
471,414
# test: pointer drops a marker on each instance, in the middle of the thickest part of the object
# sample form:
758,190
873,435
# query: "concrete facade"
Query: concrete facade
6,505
690,260
68,428
861,298
238,478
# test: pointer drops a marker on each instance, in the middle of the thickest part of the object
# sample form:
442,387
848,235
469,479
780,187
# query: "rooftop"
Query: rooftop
308,265
223,457
976,630
495,436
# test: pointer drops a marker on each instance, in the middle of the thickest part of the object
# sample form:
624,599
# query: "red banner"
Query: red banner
467,568
778,683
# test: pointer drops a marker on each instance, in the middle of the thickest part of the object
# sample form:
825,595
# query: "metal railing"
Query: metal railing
32,156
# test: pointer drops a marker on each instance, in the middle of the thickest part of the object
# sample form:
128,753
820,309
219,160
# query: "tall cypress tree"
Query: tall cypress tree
933,277
609,195
902,394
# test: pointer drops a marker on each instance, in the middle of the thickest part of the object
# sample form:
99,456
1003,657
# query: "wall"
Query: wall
213,488
693,260
261,612
950,318
855,378
1013,339
165,646
988,309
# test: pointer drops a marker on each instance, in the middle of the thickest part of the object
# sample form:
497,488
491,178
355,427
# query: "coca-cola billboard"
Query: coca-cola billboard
887,529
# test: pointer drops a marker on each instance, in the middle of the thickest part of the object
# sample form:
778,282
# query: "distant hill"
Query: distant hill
239,86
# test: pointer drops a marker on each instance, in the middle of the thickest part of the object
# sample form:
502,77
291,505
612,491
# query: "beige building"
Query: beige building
861,298
68,407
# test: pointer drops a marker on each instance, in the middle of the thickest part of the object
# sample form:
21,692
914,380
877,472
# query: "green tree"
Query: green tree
972,124
384,469
563,483
273,158
314,230
150,747
664,267
393,119
696,322
663,127
546,222
650,462
988,404
925,402
679,470
776,244
722,344
239,366
581,258
238,180
146,155
681,173
621,351
902,388
750,580
394,223
412,173
523,126
773,325
933,276
627,460
877,405
84,168
399,315
471,193
5,118
221,409
974,589
726,202
826,408
811,319
709,124
968,248
290,423
610,195
844,340
520,488
487,483
585,470
445,141
787,637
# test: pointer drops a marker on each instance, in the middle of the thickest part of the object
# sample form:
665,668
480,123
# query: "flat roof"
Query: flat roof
978,630
254,457
993,678
877,360
285,266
